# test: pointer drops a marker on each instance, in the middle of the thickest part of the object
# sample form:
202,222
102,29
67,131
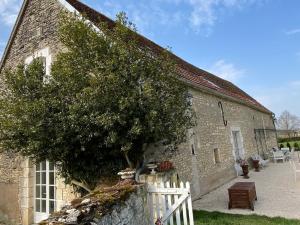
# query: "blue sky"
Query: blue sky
253,43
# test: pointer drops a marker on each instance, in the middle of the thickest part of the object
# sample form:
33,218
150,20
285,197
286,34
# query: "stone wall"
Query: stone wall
133,211
37,30
195,160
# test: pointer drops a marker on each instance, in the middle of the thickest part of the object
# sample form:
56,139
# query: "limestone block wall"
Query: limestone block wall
37,31
195,160
133,211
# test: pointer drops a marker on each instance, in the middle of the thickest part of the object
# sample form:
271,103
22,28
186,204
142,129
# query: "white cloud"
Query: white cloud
295,83
9,11
292,32
278,99
205,13
200,15
227,71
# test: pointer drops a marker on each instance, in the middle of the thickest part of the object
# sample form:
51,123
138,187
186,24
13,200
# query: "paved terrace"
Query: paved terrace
278,193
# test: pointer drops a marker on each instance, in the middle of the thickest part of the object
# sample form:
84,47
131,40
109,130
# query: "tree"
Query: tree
288,122
107,99
288,145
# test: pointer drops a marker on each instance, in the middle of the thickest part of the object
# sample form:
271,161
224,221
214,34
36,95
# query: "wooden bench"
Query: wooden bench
242,195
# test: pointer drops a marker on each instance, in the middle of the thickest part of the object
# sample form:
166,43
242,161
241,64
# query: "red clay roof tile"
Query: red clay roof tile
187,71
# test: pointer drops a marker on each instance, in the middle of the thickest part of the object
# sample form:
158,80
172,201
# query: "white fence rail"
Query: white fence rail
170,204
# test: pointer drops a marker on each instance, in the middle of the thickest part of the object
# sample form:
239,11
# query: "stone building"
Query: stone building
231,124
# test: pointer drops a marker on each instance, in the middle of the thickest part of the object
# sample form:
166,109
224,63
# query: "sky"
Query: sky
253,43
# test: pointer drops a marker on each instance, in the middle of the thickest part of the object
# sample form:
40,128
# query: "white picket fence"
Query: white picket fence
171,204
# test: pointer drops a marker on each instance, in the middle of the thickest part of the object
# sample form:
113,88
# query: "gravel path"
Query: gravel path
277,192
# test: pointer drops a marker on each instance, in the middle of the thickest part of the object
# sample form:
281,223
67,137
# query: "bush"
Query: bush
107,100
283,140
296,146
281,145
288,145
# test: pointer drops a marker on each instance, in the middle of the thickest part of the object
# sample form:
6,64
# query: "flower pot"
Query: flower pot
245,171
152,167
256,165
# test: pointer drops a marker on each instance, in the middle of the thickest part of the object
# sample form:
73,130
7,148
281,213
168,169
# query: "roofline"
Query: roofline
224,96
200,87
64,3
13,33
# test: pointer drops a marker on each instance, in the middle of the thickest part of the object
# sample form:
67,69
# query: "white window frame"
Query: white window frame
40,216
45,52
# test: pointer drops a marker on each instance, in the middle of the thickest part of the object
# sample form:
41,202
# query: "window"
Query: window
45,190
193,150
217,156
45,56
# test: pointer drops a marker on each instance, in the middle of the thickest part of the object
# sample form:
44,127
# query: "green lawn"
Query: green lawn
216,218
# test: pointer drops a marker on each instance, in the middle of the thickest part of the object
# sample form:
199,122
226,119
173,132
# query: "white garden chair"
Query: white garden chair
278,155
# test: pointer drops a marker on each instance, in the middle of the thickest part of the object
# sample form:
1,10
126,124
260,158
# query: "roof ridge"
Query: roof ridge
191,73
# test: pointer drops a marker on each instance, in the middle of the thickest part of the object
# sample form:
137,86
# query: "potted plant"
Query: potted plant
165,166
255,160
245,167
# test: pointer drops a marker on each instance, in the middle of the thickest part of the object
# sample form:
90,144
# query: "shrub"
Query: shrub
281,145
288,145
296,146
108,99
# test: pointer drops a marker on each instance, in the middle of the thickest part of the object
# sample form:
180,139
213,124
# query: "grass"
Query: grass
216,218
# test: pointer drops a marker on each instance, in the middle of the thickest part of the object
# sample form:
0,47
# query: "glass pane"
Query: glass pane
37,205
51,192
43,206
38,191
51,166
43,165
51,178
37,167
37,178
44,192
51,206
43,177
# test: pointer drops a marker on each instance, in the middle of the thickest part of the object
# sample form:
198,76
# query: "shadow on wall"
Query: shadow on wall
9,197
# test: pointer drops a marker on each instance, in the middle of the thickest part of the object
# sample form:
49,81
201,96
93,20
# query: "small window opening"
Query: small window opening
193,150
217,155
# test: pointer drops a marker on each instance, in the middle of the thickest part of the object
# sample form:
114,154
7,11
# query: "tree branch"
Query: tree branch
82,185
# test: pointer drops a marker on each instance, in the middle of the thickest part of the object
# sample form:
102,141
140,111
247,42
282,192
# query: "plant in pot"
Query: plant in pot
245,167
255,160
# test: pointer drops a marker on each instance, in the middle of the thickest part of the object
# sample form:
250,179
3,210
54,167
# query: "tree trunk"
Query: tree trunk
82,185
130,164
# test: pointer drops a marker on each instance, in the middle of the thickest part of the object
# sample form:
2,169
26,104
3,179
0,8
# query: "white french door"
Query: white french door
45,191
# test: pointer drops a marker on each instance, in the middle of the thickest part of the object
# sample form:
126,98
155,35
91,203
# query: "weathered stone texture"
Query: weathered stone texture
133,211
38,30
210,133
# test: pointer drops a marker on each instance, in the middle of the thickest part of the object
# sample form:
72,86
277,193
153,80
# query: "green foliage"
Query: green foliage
291,139
296,146
108,97
281,146
288,145
216,218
